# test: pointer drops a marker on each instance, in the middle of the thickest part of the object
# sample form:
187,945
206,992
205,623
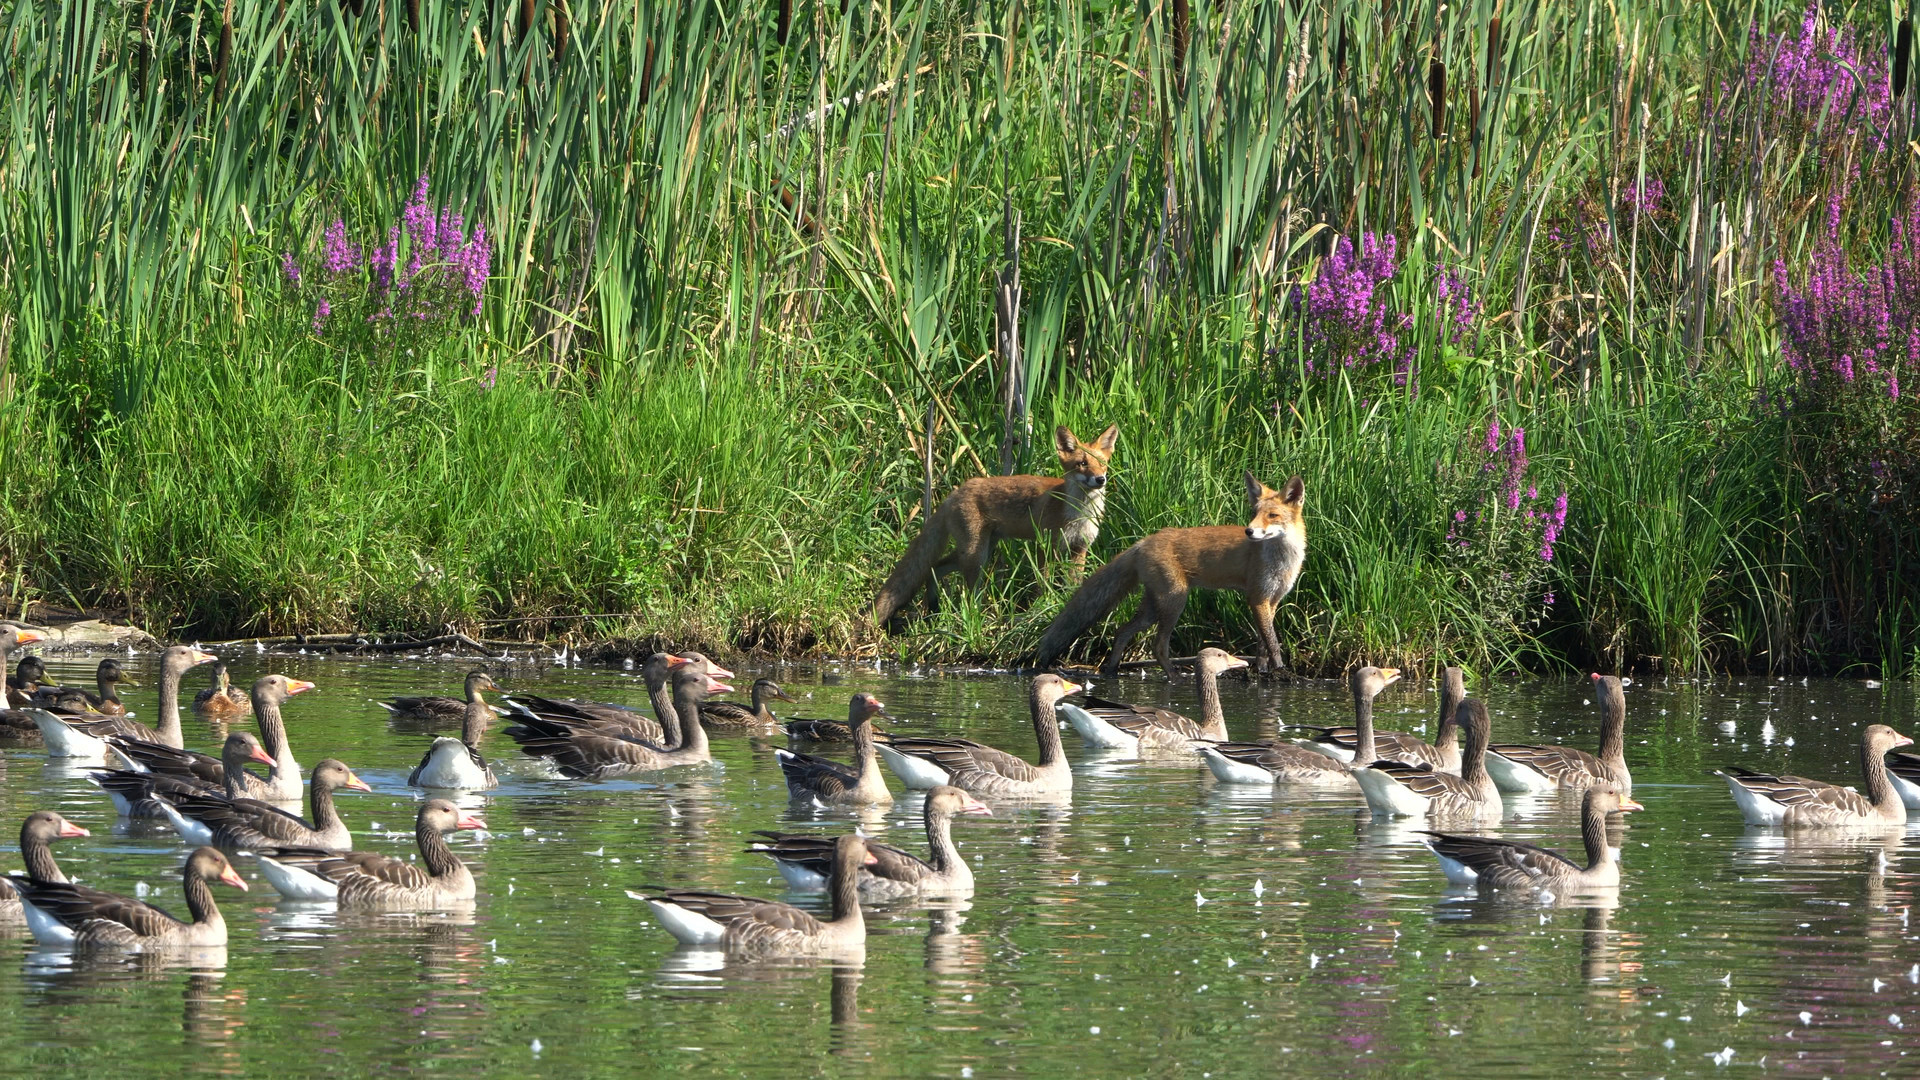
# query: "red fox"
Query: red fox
988,509
1260,562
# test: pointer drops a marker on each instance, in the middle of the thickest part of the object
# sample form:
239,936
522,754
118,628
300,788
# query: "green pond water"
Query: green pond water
1325,945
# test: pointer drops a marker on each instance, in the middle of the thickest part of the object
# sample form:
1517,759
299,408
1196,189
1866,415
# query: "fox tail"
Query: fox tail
1092,601
912,570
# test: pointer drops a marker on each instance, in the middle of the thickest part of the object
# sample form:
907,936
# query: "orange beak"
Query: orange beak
1072,688
1596,676
715,686
203,657
975,806
717,671
468,821
872,858
298,686
260,755
1629,804
676,661
69,829
232,877
27,637
354,783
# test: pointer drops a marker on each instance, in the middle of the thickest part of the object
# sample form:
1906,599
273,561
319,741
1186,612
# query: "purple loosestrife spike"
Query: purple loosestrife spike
290,268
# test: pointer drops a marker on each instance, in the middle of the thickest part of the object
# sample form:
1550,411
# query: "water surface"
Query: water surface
1158,924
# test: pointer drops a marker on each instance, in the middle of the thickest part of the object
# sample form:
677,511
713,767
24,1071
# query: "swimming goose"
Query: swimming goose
365,879
1443,753
37,835
1270,762
982,770
1394,788
1903,772
806,861
1510,864
733,716
830,783
1117,726
206,771
1536,769
78,917
84,738
222,700
134,791
584,753
443,710
457,764
742,924
610,719
202,818
1797,801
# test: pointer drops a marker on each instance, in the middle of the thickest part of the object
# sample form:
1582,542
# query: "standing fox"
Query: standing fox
1260,562
987,509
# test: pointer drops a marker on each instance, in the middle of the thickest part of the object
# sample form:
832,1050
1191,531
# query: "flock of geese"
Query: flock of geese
222,808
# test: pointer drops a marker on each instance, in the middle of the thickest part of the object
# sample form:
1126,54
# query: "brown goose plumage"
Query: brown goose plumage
37,835
238,824
87,918
585,753
1443,753
662,729
174,663
831,783
134,793
807,861
1149,727
1795,801
983,770
364,879
1522,768
1395,788
1516,866
222,700
742,924
443,710
731,716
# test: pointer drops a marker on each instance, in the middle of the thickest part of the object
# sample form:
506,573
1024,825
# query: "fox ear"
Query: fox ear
1064,441
1255,488
1296,491
1108,438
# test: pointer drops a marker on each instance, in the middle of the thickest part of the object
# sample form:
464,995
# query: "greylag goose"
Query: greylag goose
368,880
206,771
222,700
1797,801
1118,726
84,738
807,861
1443,753
1510,864
731,716
78,917
1903,772
205,819
585,753
610,719
1395,788
1271,762
457,764
37,835
1538,769
741,924
831,783
443,710
134,791
982,770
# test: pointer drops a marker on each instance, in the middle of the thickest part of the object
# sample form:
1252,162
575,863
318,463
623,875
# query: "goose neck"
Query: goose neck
1046,730
664,711
1363,749
434,851
200,903
845,887
170,707
1880,790
473,725
1593,833
1212,718
945,856
1613,731
37,853
686,703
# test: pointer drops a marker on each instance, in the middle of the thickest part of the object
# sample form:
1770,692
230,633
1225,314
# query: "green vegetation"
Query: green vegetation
736,266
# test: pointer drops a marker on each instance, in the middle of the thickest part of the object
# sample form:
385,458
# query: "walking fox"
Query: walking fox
988,509
1260,562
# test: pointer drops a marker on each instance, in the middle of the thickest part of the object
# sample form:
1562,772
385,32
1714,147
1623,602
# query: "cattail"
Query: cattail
225,55
527,14
1902,54
784,26
1437,92
1181,17
413,15
1340,52
562,31
146,43
646,75
1473,125
1493,52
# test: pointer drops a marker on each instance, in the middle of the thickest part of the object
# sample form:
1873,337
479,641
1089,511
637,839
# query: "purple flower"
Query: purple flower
320,314
1547,600
1348,327
341,255
1460,516
1643,199
487,380
290,268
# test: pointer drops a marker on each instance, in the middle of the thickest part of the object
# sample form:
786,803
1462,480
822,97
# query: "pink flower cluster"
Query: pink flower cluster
1847,324
428,270
1348,325
1821,78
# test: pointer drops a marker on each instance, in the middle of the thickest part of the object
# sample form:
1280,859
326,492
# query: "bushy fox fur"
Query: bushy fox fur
988,509
1260,562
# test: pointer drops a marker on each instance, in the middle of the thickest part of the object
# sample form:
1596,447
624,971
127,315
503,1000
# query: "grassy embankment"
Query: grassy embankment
724,296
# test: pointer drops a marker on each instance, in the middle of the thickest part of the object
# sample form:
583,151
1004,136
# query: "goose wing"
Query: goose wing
1562,763
1905,766
727,714
1426,781
1348,737
962,756
161,759
817,775
102,727
1276,756
816,854
591,715
581,754
748,921
1502,862
1800,793
427,707
81,908
244,822
827,731
1132,719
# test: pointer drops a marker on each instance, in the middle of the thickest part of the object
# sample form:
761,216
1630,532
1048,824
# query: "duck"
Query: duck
1397,789
457,764
1512,865
732,716
1538,769
222,700
830,783
37,835
28,679
661,729
365,879
84,738
1115,725
137,794
983,770
1443,753
282,784
807,861
74,916
1268,763
443,710
582,753
76,701
202,818
15,722
744,925
1791,801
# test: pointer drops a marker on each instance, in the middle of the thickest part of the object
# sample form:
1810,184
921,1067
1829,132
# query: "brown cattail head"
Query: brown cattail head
1182,20
1493,52
1902,55
1340,52
1437,92
646,74
784,25
225,55
413,15
562,30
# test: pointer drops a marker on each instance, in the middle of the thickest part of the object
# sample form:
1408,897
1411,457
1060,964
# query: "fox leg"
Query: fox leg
973,555
1170,607
1263,612
1141,620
